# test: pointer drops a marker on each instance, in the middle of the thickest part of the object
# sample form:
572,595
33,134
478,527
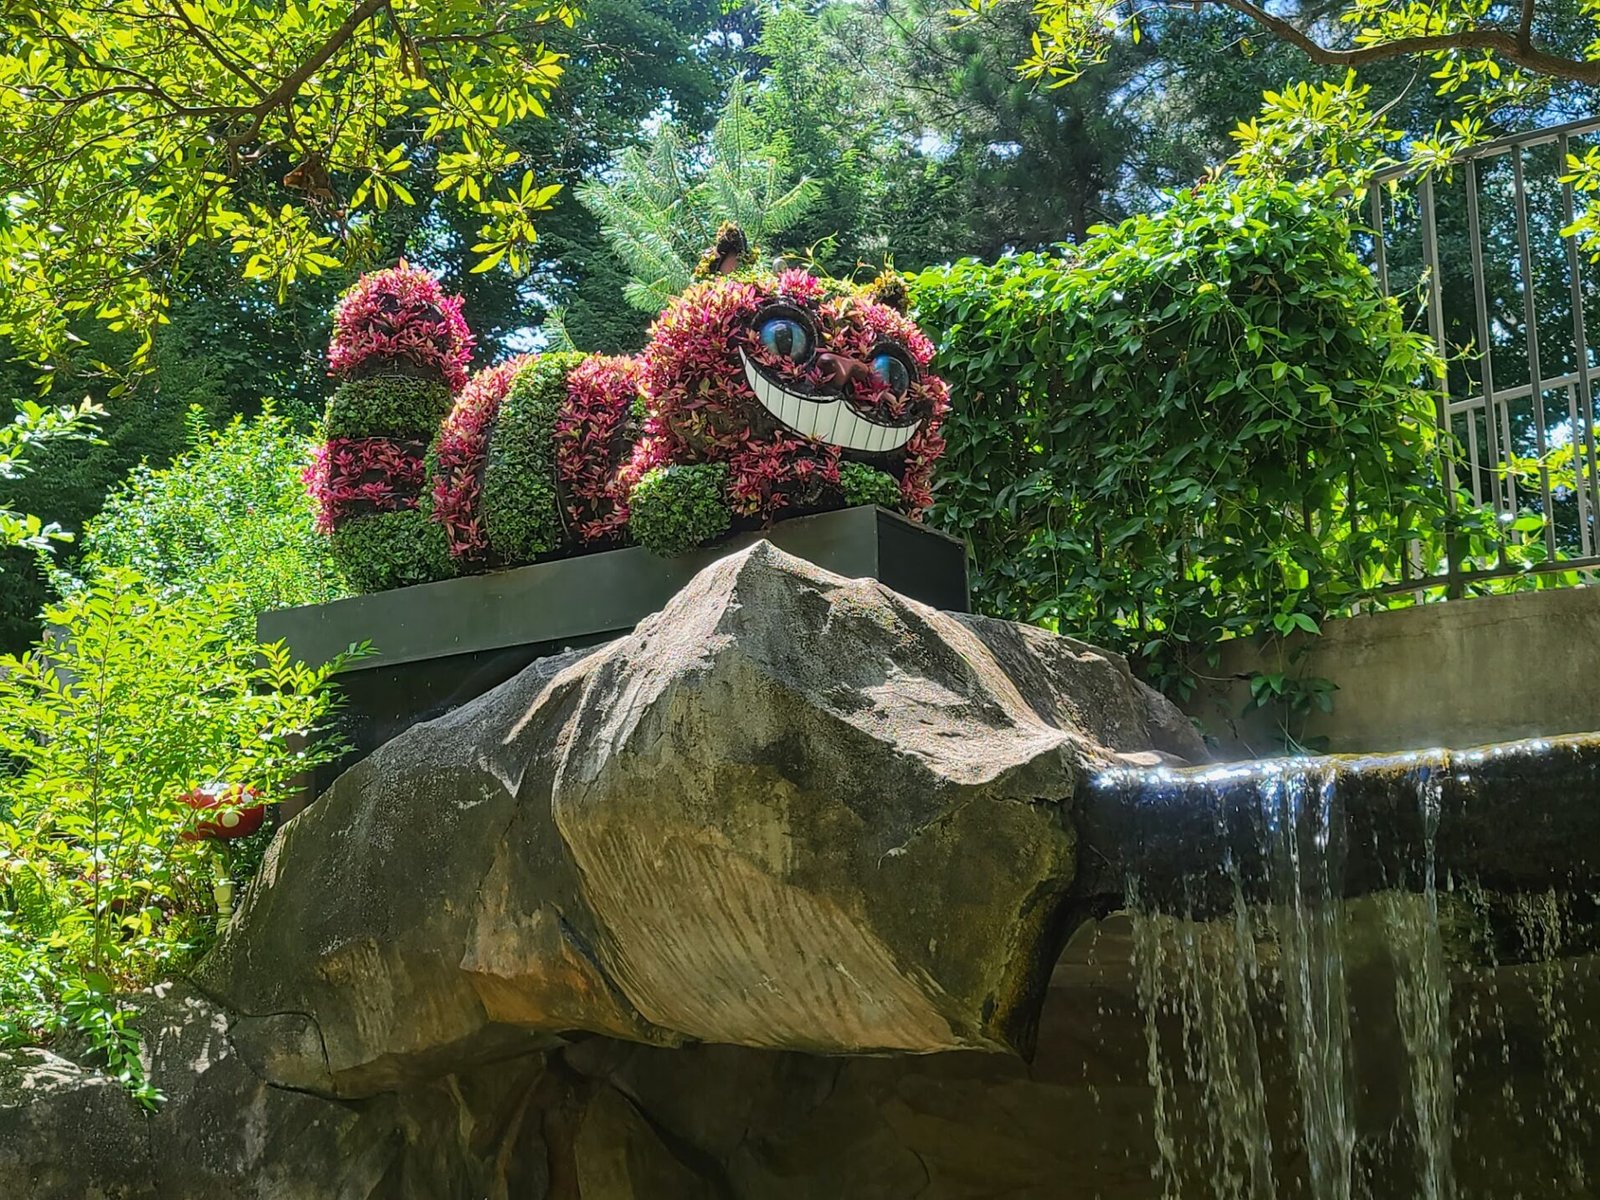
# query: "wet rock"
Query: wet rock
791,811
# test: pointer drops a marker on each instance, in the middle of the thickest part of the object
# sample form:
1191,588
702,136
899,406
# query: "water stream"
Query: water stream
1318,1027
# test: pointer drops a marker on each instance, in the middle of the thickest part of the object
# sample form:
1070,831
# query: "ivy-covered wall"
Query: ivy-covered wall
1202,423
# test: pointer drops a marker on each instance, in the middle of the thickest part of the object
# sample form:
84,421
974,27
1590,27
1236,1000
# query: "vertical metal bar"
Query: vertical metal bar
1380,264
1512,503
1530,319
1430,257
1581,493
1474,467
1480,292
1580,347
1380,260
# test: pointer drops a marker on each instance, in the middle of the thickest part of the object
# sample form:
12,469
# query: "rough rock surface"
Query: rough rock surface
791,811
601,1120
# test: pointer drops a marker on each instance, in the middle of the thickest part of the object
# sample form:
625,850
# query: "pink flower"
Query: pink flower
591,439
400,318
463,445
353,476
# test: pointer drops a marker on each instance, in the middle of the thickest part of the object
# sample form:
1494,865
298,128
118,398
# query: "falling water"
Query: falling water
1205,975
1274,1074
1422,1004
1540,924
1305,854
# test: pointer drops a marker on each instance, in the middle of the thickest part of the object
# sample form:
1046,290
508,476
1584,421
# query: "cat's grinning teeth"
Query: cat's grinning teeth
830,421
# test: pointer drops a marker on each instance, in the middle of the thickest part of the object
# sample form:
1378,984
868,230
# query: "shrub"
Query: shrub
390,550
400,320
456,459
231,511
862,484
593,436
1204,423
351,478
386,406
675,509
521,515
367,479
140,696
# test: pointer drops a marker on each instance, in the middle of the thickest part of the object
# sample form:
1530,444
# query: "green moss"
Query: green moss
674,509
387,405
862,484
520,510
389,550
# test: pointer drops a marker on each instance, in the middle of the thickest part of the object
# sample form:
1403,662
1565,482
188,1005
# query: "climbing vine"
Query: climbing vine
1202,423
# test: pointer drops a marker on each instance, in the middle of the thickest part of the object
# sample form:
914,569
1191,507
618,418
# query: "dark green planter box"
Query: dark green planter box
441,644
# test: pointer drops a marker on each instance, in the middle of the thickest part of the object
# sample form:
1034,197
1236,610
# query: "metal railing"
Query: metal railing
1511,303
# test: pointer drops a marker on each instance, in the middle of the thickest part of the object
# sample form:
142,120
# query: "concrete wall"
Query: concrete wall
1459,673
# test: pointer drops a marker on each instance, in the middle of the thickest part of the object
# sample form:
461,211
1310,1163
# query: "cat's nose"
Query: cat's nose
837,370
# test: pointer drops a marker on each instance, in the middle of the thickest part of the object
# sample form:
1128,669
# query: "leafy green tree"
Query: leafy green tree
625,64
1510,44
130,133
230,512
1540,58
927,146
659,208
34,425
138,698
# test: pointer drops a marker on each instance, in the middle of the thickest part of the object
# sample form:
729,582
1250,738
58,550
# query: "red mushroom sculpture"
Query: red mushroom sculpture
235,816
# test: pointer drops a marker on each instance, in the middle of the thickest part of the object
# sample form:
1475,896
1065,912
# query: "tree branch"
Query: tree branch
1511,46
216,51
286,91
279,97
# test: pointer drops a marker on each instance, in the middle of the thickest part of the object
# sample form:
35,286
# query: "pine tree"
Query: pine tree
659,207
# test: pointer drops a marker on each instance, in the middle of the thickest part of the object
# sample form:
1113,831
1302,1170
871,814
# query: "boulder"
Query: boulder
597,1119
69,1131
66,1130
790,811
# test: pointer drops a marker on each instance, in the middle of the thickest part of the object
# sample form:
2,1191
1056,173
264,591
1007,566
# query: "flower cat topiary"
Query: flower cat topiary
760,395
402,348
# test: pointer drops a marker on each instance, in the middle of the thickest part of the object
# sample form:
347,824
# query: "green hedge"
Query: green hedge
1202,423
390,550
676,509
520,509
387,406
862,484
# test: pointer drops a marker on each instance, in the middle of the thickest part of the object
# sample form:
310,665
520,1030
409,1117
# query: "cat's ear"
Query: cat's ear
729,253
888,289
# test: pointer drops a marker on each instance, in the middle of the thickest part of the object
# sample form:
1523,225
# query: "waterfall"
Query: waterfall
1331,1011
1422,1003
